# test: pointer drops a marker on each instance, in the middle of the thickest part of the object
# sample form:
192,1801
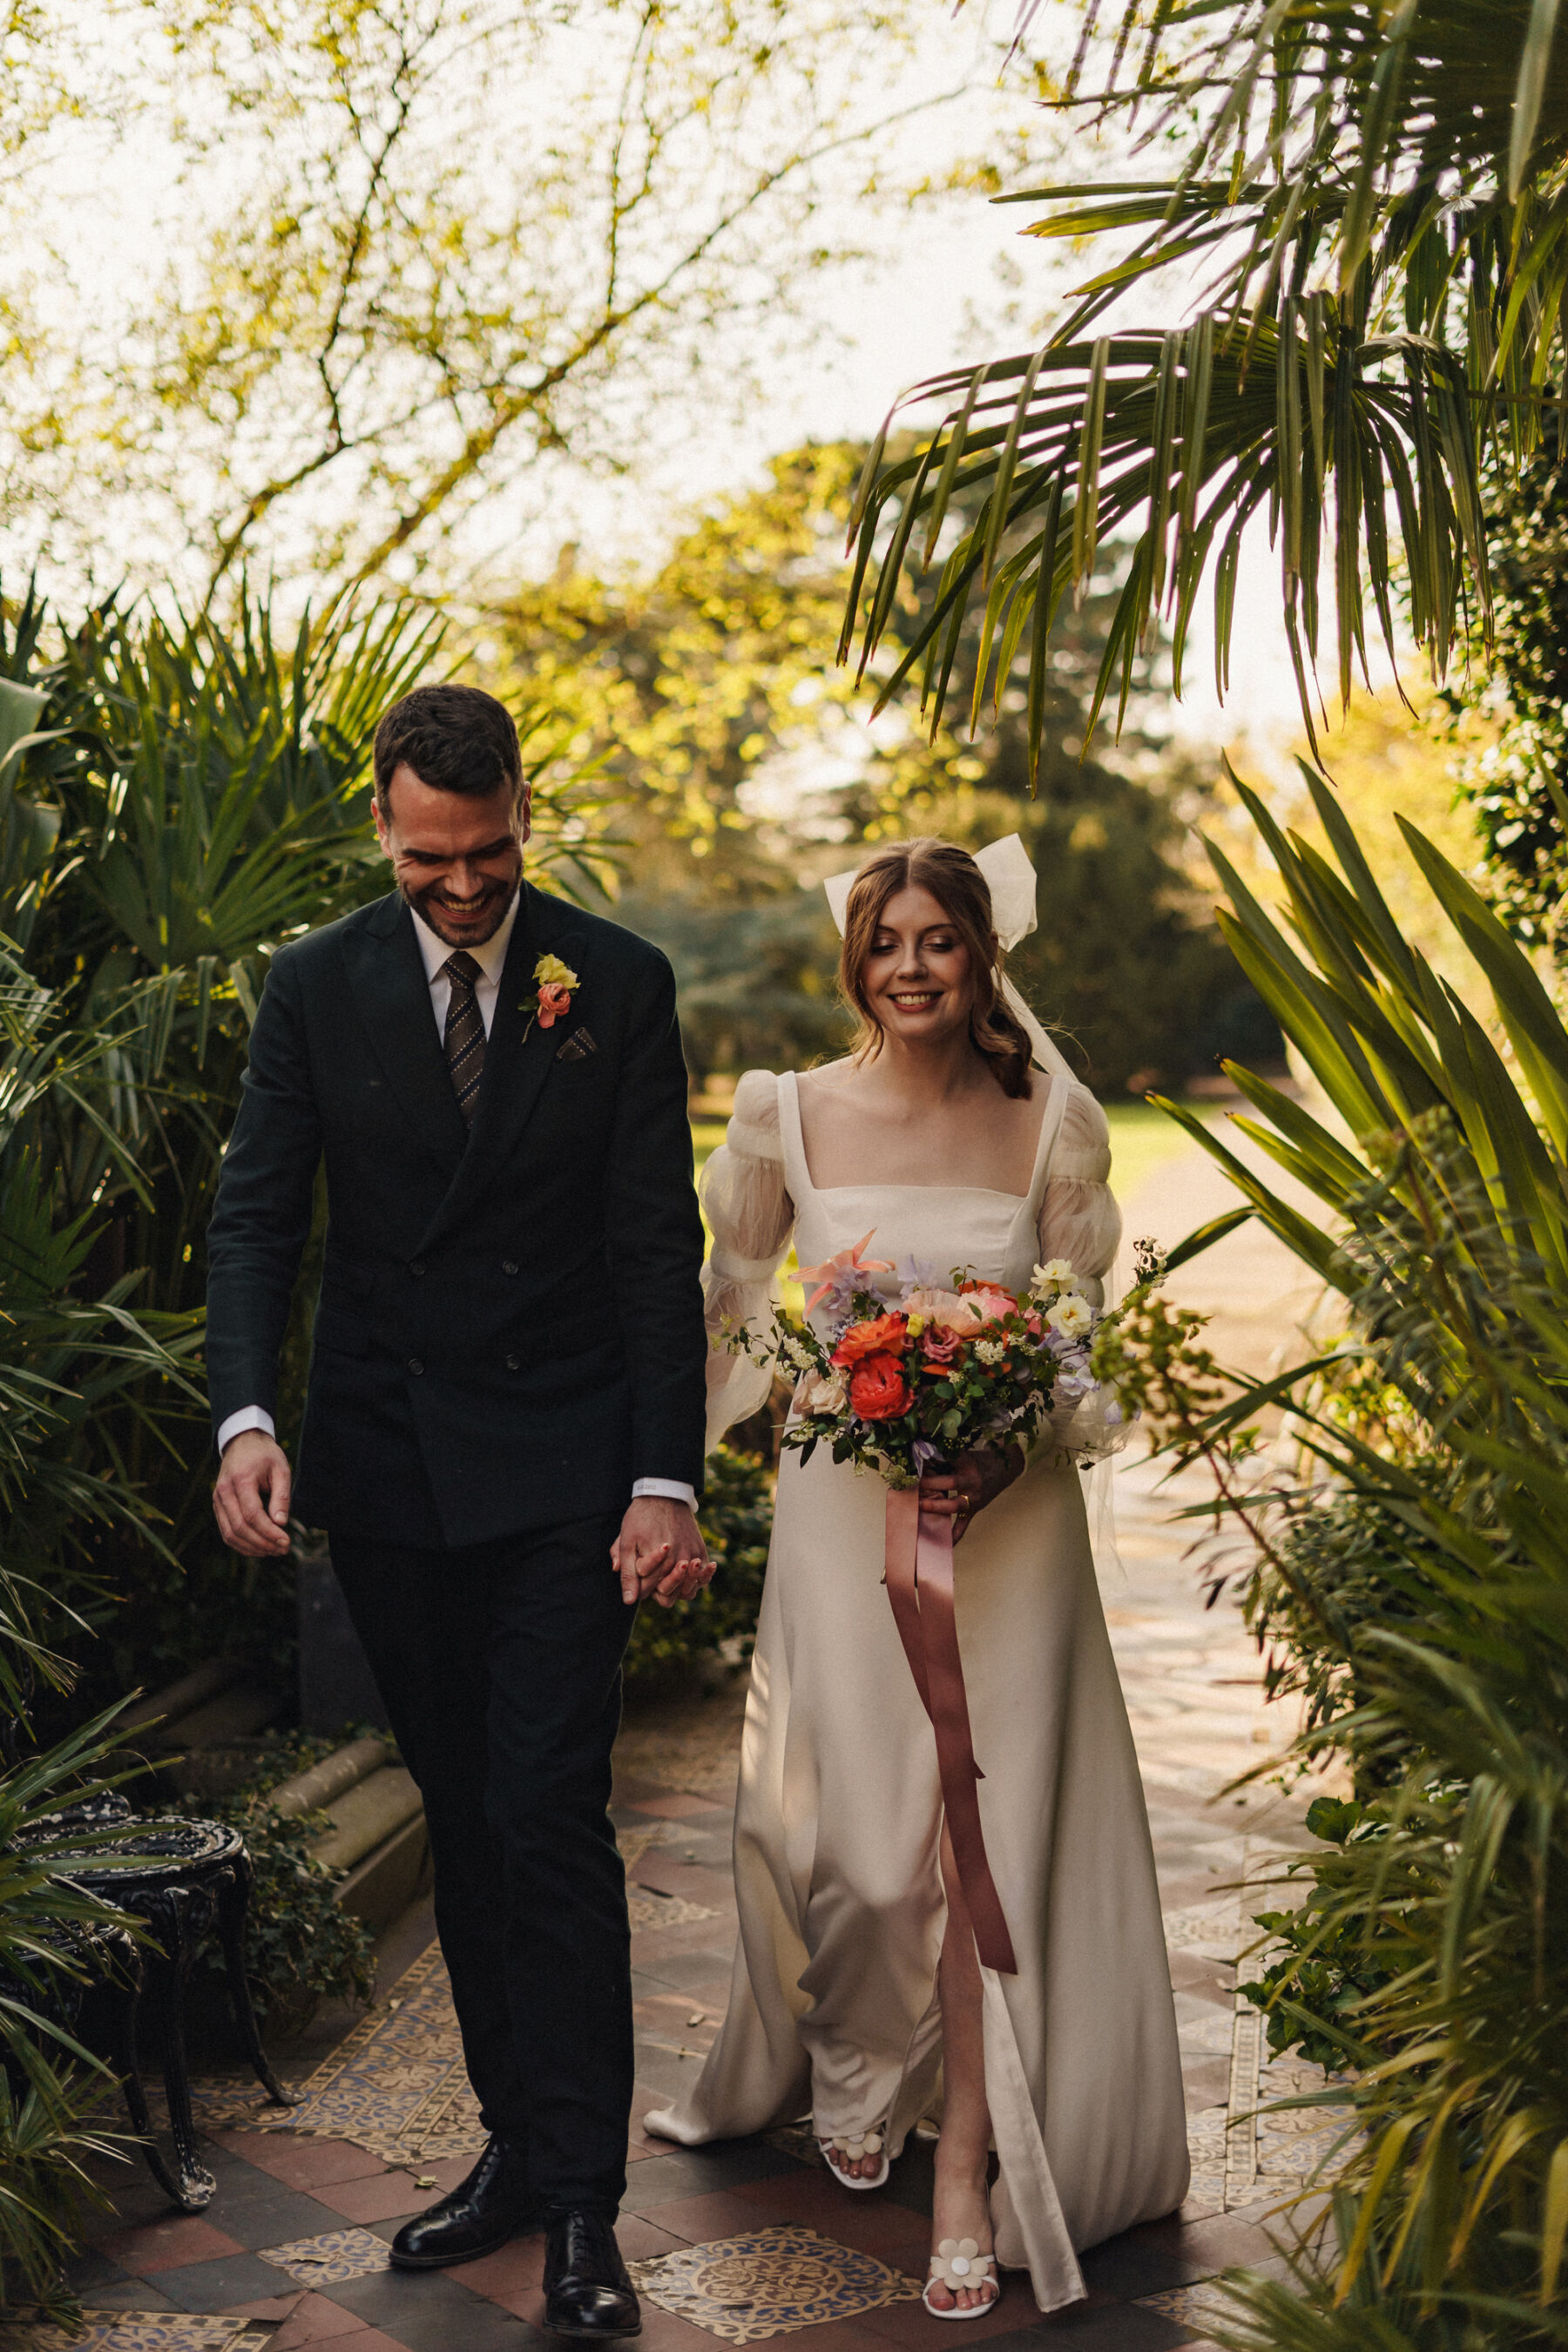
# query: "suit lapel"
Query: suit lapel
517,1056
392,994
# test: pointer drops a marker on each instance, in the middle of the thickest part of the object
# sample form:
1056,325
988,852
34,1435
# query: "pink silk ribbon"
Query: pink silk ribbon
919,1587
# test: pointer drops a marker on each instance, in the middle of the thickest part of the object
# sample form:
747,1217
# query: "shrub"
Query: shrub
736,1518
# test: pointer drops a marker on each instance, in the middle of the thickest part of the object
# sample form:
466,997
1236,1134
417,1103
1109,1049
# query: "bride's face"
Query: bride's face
917,976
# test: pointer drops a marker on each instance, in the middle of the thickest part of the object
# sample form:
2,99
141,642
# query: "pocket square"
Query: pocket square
576,1048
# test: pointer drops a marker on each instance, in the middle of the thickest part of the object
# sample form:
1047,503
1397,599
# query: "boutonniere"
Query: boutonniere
556,980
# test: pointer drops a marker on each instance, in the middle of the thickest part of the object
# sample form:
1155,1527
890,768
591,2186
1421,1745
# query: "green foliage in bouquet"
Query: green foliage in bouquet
736,1517
900,1389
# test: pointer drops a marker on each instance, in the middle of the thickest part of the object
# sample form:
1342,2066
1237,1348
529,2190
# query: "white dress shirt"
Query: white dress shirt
489,958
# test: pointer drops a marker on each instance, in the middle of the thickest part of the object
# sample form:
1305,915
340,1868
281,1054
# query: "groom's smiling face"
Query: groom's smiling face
458,857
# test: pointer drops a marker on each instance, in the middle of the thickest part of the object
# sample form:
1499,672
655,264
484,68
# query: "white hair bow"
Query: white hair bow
1012,881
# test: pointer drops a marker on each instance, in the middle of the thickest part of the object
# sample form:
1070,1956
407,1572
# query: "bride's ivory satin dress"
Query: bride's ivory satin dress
833,2006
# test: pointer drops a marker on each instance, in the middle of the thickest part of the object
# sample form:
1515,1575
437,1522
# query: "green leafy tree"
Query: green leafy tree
408,257
707,689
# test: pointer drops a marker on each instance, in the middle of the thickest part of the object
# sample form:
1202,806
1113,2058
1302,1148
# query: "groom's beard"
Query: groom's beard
466,923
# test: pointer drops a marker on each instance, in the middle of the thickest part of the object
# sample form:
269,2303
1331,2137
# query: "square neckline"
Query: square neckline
1049,1126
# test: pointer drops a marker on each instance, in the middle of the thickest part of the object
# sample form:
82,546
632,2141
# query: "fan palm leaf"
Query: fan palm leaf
1383,195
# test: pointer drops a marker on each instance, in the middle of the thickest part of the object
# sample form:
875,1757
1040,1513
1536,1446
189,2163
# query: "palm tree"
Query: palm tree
1381,194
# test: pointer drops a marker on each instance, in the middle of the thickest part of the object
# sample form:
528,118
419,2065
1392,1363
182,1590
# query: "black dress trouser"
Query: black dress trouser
499,1665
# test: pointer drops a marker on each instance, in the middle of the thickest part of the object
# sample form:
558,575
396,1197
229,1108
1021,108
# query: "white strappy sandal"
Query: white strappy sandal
958,2262
869,2143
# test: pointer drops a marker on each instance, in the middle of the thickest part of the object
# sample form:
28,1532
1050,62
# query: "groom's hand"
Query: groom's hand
659,1550
250,1500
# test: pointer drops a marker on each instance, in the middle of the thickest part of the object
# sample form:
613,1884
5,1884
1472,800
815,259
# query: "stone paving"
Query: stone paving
752,2239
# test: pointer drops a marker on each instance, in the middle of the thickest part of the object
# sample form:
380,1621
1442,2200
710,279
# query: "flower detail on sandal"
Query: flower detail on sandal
957,2263
842,2150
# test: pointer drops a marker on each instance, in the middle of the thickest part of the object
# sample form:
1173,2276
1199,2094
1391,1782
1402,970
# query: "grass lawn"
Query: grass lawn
1142,1140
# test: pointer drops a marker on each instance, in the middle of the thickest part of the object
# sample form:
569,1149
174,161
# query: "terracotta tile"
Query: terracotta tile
692,1879
868,2220
663,2332
513,2270
910,2323
447,2174
382,2199
312,2321
275,2307
720,2214
643,2242
367,2339
675,1808
168,2245
300,2162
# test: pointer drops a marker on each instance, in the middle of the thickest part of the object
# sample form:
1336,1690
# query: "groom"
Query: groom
503,1430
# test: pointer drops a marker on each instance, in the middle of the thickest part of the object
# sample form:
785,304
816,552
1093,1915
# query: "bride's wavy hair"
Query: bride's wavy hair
962,893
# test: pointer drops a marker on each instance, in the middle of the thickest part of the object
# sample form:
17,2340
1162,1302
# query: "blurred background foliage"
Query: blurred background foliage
708,690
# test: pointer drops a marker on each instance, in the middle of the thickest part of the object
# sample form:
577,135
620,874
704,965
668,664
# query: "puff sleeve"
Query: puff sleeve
1080,1221
751,1217
1078,1216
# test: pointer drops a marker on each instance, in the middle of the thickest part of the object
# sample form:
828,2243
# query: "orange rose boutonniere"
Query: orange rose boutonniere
556,980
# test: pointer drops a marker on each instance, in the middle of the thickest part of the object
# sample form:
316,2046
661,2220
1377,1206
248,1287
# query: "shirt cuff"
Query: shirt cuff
674,1490
250,1416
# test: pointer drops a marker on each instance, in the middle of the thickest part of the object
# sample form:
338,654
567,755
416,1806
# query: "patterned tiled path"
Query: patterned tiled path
292,2247
760,2241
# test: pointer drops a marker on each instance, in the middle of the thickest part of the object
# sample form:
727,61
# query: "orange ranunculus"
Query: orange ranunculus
555,1004
878,1389
884,1335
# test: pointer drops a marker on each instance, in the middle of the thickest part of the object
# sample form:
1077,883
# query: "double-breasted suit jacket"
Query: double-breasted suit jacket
510,1326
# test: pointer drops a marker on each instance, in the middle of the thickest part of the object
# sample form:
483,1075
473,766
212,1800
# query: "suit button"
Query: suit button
415,1365
416,1266
514,1363
509,1265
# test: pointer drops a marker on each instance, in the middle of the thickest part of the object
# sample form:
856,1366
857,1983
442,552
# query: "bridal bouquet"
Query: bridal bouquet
948,1371
902,1389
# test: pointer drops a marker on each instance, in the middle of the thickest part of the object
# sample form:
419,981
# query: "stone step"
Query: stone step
177,1698
331,1777
379,1889
365,1816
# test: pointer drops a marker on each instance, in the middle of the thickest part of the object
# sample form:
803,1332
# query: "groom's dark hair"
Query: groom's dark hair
457,739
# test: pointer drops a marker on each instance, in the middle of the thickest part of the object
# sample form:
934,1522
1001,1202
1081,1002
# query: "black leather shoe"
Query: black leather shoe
586,2290
488,2210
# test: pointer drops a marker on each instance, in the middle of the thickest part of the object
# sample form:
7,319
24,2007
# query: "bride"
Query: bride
858,1989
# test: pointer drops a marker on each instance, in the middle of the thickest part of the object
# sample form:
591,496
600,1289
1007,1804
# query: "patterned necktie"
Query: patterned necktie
465,1032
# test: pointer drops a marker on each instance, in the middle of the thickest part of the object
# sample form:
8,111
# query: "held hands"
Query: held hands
659,1551
250,1500
974,1480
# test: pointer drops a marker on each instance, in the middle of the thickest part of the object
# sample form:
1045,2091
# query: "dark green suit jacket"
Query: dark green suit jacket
510,1328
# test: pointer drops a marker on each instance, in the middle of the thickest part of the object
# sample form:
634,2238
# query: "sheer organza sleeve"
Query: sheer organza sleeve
751,1217
1080,1221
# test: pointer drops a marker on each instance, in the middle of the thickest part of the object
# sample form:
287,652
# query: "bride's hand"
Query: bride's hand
974,1480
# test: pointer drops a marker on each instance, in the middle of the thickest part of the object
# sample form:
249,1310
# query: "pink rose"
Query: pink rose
939,1345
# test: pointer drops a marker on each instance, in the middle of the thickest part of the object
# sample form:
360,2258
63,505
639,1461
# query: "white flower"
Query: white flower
1071,1316
1057,1274
818,1393
990,1351
796,1353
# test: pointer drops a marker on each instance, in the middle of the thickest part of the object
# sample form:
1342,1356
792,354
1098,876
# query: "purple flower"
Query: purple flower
924,1454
